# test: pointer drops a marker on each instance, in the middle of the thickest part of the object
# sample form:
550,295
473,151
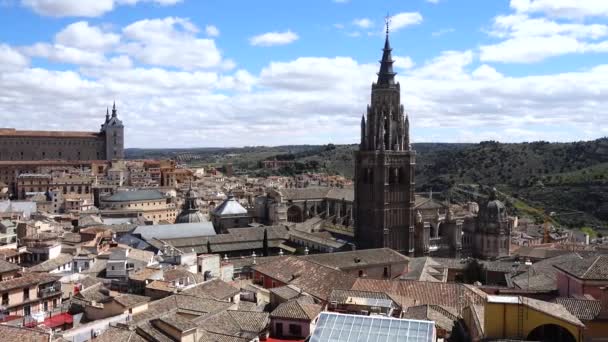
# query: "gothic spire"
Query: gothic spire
386,76
107,114
407,133
114,110
363,130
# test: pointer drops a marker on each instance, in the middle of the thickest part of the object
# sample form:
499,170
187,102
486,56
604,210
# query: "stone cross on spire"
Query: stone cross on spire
387,22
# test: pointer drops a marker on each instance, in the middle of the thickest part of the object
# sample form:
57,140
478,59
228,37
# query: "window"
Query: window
5,299
26,294
27,311
360,273
385,272
295,329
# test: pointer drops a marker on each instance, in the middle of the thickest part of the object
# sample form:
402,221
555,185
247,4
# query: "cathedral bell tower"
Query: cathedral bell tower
384,167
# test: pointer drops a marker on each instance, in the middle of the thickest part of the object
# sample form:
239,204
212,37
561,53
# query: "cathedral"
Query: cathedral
384,168
387,211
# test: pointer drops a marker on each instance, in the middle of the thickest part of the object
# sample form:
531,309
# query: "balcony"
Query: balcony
49,291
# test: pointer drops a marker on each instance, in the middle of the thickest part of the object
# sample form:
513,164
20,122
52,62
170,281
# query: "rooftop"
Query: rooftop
11,132
358,258
593,268
302,308
135,195
175,231
343,327
230,207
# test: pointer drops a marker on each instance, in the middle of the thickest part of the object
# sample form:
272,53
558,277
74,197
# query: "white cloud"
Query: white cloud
65,54
83,8
529,40
562,8
433,1
441,32
169,42
404,19
486,72
11,59
403,62
274,38
212,31
363,23
81,35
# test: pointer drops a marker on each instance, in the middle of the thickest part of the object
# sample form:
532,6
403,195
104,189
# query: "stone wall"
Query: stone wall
62,148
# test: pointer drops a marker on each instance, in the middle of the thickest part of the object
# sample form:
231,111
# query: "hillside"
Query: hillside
570,179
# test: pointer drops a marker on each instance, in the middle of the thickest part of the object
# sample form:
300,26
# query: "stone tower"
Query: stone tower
114,134
384,168
493,229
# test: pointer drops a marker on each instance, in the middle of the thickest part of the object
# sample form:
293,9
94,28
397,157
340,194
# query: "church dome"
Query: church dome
230,207
190,217
190,211
493,215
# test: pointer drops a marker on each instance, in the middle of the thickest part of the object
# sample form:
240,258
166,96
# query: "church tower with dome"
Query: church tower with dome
190,210
493,231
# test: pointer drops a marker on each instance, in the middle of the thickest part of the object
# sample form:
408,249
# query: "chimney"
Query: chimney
604,302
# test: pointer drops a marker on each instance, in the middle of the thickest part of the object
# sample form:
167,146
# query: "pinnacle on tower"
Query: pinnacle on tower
386,76
107,114
114,114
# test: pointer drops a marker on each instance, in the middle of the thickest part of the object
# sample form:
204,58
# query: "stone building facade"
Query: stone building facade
107,144
384,168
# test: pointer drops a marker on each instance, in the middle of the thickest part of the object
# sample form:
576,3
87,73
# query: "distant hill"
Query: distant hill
570,179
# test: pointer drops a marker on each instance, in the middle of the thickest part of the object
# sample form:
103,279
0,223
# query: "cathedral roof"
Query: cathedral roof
230,207
386,75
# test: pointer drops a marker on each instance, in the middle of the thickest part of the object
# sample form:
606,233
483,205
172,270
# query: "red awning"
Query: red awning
58,320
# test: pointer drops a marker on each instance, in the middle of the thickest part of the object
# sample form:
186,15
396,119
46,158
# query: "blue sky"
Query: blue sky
232,73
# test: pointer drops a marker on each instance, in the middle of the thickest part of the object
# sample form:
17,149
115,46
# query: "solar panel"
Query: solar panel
334,327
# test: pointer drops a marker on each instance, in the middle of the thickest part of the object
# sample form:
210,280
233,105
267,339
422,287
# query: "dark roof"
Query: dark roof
237,239
593,268
135,195
23,334
215,289
583,309
286,292
178,322
411,292
131,300
313,278
194,304
341,296
237,323
444,318
52,264
426,269
302,308
28,279
94,293
301,194
6,266
115,334
358,258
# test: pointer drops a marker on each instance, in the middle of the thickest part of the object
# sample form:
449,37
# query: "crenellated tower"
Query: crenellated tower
384,168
